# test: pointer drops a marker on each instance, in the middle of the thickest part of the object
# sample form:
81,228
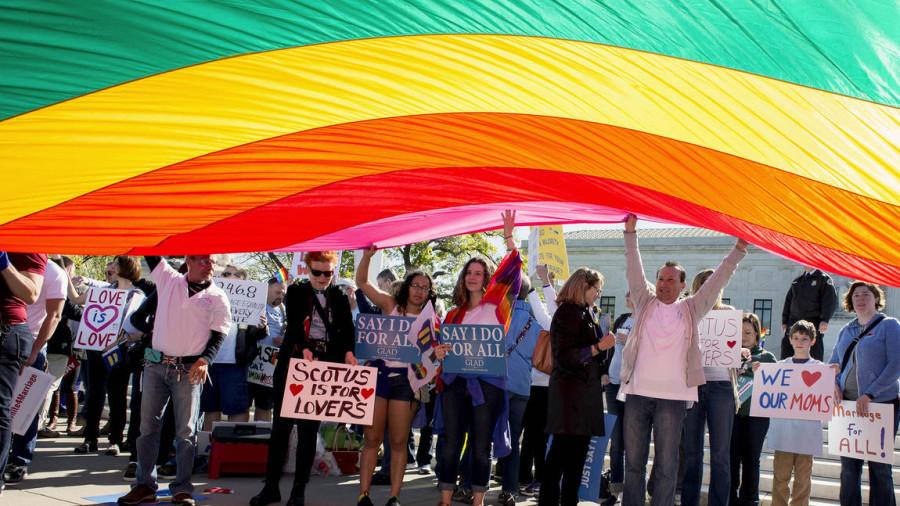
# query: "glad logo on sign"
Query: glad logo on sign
98,317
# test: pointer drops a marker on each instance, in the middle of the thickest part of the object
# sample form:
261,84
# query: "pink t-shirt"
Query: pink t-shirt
183,323
659,369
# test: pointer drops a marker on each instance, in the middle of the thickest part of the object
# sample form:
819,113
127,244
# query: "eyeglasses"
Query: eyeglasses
317,273
422,288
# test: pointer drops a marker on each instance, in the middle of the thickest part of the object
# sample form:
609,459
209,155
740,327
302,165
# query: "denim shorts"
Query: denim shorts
394,388
228,392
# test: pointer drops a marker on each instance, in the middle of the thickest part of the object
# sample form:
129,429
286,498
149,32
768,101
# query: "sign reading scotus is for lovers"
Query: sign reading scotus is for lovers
329,392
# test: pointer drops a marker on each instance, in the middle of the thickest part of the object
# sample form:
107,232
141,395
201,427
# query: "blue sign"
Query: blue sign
475,349
589,490
381,337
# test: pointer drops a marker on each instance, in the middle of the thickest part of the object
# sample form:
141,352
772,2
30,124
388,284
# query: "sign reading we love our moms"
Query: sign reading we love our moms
720,338
329,392
797,391
101,319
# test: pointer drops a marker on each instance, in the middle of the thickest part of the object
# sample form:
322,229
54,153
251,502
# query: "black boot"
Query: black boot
298,495
266,496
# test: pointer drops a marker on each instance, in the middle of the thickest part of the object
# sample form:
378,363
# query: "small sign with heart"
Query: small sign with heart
101,319
329,392
797,391
720,338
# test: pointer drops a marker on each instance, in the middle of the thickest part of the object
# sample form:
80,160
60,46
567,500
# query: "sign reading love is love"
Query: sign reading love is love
867,436
101,319
720,338
797,391
329,392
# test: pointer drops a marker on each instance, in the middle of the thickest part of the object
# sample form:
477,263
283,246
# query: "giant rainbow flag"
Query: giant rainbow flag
177,127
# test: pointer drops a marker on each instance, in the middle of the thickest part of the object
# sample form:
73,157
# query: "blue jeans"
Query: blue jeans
161,383
747,439
517,405
665,418
616,442
459,414
15,345
881,479
715,411
23,446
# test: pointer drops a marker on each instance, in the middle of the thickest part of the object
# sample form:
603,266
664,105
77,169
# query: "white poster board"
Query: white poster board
28,396
101,319
864,437
329,392
720,338
262,369
795,391
247,298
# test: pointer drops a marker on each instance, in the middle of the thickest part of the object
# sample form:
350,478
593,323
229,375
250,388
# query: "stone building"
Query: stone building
759,285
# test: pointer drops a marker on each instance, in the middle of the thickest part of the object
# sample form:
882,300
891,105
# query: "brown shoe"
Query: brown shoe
141,494
184,498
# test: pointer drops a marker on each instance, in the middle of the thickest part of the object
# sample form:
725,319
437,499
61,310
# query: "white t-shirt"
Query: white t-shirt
55,286
226,351
183,323
659,369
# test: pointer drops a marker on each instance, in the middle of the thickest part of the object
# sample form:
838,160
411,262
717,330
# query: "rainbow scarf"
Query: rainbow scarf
504,287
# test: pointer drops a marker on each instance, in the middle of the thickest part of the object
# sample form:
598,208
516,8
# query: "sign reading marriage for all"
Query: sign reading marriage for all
720,338
797,391
475,349
247,299
385,338
868,436
329,392
101,319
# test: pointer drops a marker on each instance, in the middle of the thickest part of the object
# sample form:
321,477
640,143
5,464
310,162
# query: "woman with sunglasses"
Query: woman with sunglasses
477,404
319,327
395,401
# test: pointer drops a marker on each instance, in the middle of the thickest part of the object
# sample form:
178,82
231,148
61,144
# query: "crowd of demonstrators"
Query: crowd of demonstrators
183,353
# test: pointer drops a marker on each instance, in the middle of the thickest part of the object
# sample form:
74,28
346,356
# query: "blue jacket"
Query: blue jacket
518,363
877,359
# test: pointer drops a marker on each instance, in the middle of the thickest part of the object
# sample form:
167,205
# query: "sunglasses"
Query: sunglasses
317,273
227,274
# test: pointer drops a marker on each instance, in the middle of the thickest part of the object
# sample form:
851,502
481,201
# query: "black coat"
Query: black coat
811,297
575,397
299,306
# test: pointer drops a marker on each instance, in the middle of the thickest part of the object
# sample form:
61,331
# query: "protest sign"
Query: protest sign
101,319
299,269
546,245
475,349
329,392
247,299
31,389
423,334
589,489
720,338
796,391
385,338
864,437
262,368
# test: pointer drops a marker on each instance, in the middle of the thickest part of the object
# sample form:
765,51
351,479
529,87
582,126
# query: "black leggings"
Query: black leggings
534,439
566,460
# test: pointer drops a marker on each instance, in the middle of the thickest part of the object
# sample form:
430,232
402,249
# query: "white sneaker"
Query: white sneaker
425,469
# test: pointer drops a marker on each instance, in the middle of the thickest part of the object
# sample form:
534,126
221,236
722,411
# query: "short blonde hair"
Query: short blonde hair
578,284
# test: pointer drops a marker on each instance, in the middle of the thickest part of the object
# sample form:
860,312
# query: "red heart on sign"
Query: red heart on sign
731,343
811,377
367,392
296,389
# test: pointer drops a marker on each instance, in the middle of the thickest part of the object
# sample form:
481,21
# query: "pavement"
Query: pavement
58,476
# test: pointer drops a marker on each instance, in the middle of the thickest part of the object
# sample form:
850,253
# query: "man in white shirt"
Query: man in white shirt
192,317
43,316
661,366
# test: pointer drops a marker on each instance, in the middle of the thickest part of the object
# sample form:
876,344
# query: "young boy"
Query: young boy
795,441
